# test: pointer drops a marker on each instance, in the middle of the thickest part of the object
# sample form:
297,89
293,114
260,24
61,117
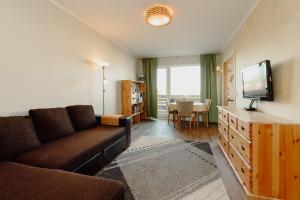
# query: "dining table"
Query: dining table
197,107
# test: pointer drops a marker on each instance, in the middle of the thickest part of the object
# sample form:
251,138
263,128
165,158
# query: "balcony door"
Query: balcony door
177,82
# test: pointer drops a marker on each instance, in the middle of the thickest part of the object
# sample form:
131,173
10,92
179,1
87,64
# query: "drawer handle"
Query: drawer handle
243,128
224,129
232,155
242,170
232,121
243,148
232,137
224,144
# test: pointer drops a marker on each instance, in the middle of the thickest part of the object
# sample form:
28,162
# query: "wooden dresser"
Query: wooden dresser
263,151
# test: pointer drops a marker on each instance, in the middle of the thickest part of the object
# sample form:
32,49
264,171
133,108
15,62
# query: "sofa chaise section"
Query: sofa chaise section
71,152
23,182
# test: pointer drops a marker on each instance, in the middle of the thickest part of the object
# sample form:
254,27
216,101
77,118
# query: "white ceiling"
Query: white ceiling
199,26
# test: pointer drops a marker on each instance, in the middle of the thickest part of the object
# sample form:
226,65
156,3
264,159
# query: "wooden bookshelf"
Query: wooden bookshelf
134,100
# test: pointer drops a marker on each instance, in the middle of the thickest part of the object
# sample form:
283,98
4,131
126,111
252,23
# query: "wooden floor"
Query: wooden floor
160,128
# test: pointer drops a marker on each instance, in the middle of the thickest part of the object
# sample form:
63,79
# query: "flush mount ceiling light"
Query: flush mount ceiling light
159,15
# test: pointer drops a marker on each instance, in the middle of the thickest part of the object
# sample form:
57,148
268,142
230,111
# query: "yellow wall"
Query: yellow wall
272,31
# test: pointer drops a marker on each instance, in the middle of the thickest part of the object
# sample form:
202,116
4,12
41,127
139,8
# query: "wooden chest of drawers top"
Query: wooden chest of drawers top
255,117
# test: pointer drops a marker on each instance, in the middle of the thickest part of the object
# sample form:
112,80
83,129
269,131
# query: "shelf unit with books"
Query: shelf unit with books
134,100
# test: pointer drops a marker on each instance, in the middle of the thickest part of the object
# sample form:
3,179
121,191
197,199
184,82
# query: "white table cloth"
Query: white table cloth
198,107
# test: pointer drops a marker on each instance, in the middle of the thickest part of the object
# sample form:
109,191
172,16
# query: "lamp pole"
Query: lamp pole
104,82
103,88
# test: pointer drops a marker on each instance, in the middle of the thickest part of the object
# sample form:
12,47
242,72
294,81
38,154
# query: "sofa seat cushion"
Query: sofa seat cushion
17,135
51,123
22,182
71,152
82,117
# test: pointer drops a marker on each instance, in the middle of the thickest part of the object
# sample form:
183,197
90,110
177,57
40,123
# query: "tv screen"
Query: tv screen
257,82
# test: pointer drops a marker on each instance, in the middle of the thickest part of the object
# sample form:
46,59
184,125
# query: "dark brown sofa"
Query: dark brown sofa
70,139
23,182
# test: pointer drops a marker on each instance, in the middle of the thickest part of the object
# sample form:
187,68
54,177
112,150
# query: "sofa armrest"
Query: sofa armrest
117,120
113,120
110,120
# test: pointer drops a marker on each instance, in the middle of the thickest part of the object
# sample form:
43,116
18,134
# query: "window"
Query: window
185,81
180,82
162,81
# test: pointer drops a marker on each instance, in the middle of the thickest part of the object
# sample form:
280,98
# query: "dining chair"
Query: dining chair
185,109
171,112
207,103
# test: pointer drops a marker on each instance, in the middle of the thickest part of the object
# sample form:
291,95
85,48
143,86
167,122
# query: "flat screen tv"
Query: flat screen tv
257,83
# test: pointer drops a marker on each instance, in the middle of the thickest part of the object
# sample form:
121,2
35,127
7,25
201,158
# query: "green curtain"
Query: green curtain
209,83
150,76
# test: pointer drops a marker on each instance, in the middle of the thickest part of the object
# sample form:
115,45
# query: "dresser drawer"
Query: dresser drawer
241,144
223,142
243,169
225,116
223,128
244,129
220,125
233,121
220,113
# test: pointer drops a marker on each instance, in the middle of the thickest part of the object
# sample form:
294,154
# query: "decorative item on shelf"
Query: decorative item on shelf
140,97
140,73
135,109
159,15
134,94
103,65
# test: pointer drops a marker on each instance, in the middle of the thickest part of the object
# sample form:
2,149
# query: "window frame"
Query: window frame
166,82
168,88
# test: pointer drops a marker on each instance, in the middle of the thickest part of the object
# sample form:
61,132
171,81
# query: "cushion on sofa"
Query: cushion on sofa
51,123
70,152
17,135
82,116
19,181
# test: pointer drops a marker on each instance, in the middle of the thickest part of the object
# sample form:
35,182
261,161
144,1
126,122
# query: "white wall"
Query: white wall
46,60
179,60
272,32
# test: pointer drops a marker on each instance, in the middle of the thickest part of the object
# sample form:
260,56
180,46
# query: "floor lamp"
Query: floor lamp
104,82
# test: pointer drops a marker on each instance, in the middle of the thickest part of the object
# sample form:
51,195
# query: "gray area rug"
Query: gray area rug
164,169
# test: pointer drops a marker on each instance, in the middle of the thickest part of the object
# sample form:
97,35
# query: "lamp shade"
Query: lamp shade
103,64
159,15
219,69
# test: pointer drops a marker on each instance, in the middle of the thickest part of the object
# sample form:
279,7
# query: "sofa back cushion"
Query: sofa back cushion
82,117
17,135
51,123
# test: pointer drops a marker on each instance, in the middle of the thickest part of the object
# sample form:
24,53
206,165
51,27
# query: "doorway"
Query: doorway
229,83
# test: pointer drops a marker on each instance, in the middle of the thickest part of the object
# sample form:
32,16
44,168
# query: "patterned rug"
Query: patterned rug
165,169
